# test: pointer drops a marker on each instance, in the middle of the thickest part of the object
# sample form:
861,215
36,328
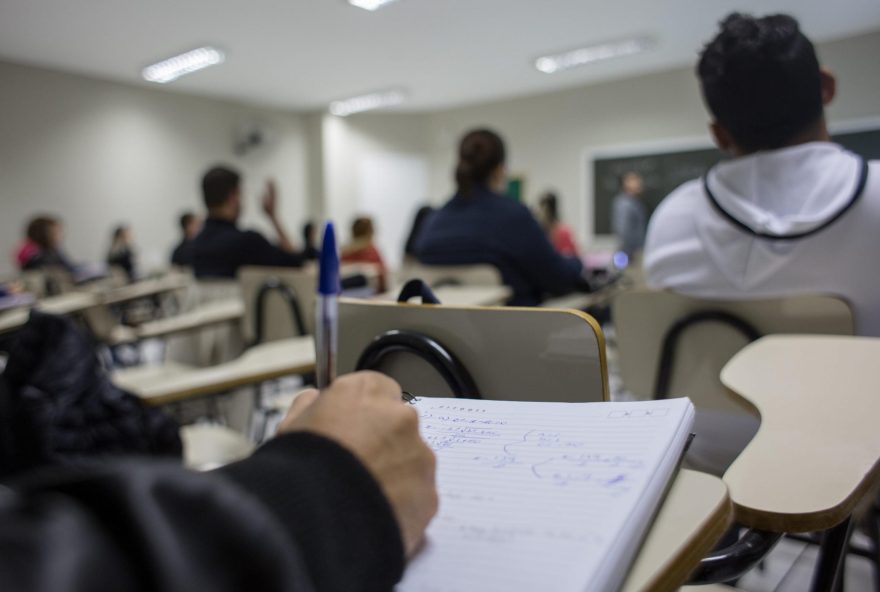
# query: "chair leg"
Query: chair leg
828,575
872,527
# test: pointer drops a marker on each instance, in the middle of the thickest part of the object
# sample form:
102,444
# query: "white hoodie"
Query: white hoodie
692,248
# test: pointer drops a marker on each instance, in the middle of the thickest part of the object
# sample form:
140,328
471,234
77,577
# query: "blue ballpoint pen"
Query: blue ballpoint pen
327,309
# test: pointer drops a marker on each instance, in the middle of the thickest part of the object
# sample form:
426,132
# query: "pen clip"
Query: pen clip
409,398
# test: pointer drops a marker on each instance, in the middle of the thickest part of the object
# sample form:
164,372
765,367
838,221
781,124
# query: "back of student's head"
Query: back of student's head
39,231
185,220
550,207
760,79
218,184
480,153
362,228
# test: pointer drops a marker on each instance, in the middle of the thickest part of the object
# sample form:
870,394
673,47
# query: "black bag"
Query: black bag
57,404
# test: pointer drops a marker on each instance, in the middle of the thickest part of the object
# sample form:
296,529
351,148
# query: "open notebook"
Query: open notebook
543,496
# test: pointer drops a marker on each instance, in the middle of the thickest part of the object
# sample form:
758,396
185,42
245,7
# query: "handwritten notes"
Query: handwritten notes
542,496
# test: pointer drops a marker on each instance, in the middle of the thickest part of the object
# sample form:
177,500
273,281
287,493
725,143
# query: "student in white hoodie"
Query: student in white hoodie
791,212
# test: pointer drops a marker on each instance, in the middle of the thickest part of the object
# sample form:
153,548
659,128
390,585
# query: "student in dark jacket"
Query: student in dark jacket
190,225
479,225
221,247
336,502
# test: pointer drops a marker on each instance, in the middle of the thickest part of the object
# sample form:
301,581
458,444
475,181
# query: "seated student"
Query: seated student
791,212
362,249
336,501
421,217
560,234
479,225
221,248
310,249
42,247
190,225
121,252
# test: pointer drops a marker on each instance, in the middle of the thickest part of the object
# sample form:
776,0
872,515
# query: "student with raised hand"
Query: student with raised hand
336,501
221,247
791,212
481,226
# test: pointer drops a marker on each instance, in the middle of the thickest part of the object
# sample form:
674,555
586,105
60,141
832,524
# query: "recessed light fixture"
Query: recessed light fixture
377,100
370,5
180,65
593,53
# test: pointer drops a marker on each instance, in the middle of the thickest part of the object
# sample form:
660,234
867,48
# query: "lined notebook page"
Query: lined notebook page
537,496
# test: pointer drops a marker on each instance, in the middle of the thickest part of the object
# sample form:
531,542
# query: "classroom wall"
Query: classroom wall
550,135
376,164
99,153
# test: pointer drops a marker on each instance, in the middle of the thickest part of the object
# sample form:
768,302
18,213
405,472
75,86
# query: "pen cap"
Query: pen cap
328,274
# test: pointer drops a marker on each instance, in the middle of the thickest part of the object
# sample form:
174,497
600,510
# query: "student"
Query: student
310,242
121,252
190,225
629,217
362,249
421,217
336,501
221,248
791,213
560,234
479,225
42,247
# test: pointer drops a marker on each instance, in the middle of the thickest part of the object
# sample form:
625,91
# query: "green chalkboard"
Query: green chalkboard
664,171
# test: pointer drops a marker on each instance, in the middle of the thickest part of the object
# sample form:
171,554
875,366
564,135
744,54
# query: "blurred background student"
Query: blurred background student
42,246
190,225
560,234
418,224
629,216
310,249
362,248
480,225
121,253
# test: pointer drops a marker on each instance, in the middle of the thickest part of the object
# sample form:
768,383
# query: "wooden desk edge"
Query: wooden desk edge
159,400
679,567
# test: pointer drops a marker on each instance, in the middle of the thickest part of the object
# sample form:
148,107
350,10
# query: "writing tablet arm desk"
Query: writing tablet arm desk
816,453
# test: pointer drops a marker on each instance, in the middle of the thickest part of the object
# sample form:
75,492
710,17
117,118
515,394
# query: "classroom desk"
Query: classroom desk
144,289
63,304
462,295
817,450
168,383
695,514
210,313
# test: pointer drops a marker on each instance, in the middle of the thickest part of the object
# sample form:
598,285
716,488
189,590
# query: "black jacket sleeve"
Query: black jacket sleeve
259,251
301,514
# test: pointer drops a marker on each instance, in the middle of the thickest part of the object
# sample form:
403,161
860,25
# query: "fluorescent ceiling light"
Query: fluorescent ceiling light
370,4
376,100
593,53
185,63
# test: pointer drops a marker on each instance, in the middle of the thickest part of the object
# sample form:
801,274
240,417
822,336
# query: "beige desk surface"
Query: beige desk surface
209,313
462,295
63,304
816,452
695,514
144,288
168,383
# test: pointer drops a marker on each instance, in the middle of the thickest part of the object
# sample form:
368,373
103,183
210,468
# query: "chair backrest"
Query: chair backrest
439,275
275,293
701,335
518,354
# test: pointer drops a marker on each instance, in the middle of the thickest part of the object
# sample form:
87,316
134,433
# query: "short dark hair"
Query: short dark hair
218,184
362,227
480,152
550,203
186,219
39,229
761,81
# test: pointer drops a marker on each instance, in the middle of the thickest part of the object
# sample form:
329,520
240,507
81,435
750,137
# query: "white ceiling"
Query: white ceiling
301,54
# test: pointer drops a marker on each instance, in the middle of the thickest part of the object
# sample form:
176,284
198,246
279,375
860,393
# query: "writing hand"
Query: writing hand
364,413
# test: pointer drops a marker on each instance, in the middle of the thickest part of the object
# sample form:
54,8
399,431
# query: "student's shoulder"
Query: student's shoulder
683,200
